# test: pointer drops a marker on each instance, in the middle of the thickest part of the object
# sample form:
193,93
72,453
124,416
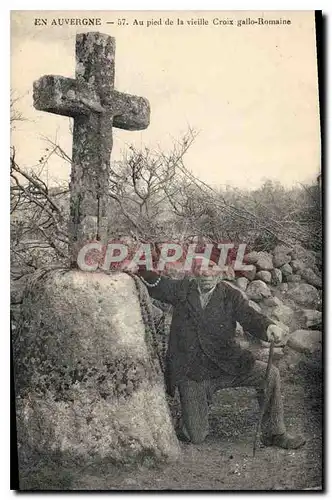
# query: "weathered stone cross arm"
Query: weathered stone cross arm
96,107
65,96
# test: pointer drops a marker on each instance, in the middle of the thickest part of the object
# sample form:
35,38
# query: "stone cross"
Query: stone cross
96,107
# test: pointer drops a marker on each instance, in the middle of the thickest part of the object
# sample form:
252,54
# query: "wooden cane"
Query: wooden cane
265,401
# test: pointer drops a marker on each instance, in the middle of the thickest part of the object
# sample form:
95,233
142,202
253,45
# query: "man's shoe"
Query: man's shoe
285,441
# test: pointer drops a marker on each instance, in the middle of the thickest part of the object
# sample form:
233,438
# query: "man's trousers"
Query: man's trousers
195,396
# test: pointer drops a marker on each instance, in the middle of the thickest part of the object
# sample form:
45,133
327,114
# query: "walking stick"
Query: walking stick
262,411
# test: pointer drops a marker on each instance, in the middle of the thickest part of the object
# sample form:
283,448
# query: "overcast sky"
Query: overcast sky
251,91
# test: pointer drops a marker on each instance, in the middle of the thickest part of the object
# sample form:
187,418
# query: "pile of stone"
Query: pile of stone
286,286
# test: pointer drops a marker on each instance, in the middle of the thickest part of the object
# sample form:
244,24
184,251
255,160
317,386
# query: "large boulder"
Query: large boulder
308,257
249,274
304,295
264,262
305,341
293,278
242,283
291,359
281,259
311,277
297,265
87,378
283,313
281,255
286,270
257,290
264,276
281,249
312,318
283,288
272,301
251,257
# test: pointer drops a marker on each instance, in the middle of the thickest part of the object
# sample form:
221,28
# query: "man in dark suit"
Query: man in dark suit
203,356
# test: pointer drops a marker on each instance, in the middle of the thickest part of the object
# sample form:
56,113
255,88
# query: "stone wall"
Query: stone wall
285,285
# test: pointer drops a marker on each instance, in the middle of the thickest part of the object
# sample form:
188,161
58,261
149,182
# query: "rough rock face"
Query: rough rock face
242,283
286,270
250,273
272,302
310,277
291,359
264,262
281,255
312,318
264,276
281,259
304,295
251,257
297,265
281,249
307,257
305,341
257,290
283,313
87,378
293,278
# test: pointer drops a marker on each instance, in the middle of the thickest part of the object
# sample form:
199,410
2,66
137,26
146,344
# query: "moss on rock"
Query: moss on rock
86,381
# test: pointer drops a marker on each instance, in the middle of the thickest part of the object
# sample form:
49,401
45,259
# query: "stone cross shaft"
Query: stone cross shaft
96,107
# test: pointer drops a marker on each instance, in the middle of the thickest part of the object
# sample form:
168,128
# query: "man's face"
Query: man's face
206,281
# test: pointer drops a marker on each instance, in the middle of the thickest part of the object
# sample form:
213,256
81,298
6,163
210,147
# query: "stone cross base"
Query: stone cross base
86,383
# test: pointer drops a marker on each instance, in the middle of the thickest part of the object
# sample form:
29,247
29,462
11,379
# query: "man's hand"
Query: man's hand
275,333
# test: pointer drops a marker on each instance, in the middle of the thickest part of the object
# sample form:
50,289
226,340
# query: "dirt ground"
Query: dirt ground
224,461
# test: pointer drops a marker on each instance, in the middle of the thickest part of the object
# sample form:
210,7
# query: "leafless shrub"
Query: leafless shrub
154,198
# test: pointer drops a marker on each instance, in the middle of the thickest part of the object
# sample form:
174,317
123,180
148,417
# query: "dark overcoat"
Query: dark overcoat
202,341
